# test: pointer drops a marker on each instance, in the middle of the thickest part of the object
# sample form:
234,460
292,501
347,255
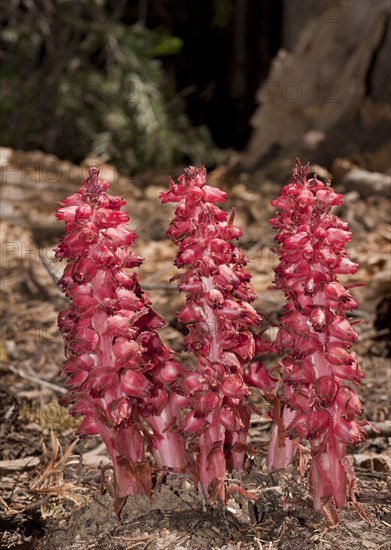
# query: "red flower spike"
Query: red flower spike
119,371
318,337
218,315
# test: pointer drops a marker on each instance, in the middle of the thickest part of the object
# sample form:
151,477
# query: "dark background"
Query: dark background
228,46
157,84
203,61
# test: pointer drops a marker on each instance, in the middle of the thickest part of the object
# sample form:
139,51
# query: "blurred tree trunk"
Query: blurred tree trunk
329,96
295,15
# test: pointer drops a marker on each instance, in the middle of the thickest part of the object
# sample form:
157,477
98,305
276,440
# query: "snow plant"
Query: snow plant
319,370
119,373
219,317
128,386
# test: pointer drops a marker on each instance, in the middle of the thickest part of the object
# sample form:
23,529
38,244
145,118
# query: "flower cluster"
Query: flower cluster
218,315
128,386
320,404
120,374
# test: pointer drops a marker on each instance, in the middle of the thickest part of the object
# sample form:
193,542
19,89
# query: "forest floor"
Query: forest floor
52,495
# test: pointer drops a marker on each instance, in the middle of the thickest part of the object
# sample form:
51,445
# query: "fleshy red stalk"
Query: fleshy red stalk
320,404
218,316
281,449
119,371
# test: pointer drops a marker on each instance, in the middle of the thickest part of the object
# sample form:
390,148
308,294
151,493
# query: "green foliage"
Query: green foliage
77,81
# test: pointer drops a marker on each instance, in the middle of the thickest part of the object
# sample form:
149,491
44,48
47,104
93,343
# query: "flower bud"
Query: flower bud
256,375
349,432
326,389
233,386
230,419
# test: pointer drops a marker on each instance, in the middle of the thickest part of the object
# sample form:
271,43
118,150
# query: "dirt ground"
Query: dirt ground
52,494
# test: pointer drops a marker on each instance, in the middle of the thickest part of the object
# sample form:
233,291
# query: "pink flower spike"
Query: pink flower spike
316,337
120,374
218,316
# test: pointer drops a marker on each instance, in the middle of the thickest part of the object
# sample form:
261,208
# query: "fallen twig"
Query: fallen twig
158,286
28,462
37,380
378,429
